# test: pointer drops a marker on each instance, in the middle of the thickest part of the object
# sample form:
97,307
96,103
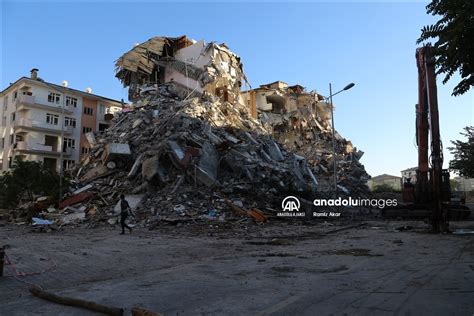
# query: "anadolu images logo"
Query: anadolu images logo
291,207
290,204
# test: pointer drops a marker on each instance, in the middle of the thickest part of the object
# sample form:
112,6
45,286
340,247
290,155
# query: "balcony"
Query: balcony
26,102
26,147
25,125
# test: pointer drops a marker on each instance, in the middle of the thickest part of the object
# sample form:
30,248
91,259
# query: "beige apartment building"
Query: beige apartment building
385,180
35,113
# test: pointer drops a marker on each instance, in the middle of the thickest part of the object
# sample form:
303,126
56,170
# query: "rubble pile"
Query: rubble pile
191,157
194,146
301,122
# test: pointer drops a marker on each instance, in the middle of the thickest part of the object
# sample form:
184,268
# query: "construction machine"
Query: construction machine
430,196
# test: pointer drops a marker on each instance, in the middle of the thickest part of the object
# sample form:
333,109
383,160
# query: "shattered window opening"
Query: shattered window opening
54,97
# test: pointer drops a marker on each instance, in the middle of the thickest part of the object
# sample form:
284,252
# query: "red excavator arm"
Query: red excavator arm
431,195
428,186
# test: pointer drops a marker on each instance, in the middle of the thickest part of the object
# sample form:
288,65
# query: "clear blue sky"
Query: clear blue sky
312,44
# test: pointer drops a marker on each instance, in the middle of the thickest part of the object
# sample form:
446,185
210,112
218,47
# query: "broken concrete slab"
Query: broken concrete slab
116,151
137,123
209,160
274,151
94,172
72,218
135,166
177,153
83,189
91,139
151,168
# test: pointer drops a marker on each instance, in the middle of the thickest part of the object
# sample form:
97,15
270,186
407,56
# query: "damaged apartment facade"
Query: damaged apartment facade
34,114
188,67
299,120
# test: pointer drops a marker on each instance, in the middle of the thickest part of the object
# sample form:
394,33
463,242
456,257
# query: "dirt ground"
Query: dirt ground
277,269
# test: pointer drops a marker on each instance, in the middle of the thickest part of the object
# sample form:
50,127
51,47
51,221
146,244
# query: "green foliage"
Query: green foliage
454,185
454,45
463,152
384,188
27,179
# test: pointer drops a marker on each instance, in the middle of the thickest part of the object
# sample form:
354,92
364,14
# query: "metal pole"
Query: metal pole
333,140
2,259
61,154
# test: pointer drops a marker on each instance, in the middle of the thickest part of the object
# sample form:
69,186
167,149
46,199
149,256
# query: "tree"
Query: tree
381,188
463,152
454,185
29,178
454,47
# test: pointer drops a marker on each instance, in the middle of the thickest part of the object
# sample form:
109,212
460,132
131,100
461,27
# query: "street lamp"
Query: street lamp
350,85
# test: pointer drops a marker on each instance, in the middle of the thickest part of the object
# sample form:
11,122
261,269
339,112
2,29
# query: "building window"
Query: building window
69,143
4,121
15,95
70,121
12,117
11,139
85,150
68,164
5,103
52,119
1,164
71,101
88,111
101,109
49,163
2,143
86,129
54,97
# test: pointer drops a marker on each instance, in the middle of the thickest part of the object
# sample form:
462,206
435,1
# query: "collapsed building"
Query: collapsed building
190,67
301,122
193,146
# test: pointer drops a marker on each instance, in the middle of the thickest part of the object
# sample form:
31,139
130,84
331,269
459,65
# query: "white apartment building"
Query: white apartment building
34,114
409,173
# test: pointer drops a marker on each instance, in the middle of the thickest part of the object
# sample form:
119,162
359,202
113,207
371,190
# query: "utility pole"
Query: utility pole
62,148
334,155
350,85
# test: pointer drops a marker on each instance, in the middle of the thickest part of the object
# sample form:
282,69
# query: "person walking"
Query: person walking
125,211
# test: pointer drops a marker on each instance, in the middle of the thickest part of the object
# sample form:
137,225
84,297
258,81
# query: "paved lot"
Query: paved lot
272,270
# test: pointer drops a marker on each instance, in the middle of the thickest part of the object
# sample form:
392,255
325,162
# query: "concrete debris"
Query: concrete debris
83,189
115,151
135,166
301,122
194,154
152,169
91,138
72,217
204,149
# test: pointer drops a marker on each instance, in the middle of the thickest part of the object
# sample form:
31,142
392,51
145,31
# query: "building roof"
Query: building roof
269,84
410,169
58,87
385,176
